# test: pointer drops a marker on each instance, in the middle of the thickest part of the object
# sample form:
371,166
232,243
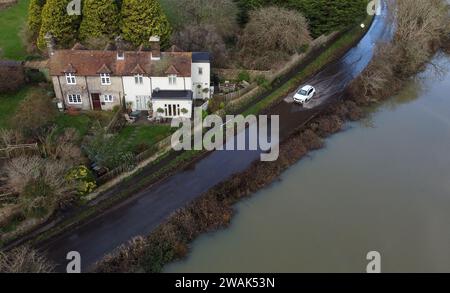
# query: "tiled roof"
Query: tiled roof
172,71
89,63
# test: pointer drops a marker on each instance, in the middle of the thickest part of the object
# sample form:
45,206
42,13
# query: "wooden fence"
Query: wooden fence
116,123
236,94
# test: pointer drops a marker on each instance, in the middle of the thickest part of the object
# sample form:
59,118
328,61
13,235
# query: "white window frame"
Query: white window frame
120,55
107,98
172,110
105,78
139,79
71,79
172,79
74,99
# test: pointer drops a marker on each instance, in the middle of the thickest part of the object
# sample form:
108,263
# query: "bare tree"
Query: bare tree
420,26
271,35
24,260
202,38
222,14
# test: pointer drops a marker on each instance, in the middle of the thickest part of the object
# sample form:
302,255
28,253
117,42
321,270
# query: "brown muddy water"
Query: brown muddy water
384,185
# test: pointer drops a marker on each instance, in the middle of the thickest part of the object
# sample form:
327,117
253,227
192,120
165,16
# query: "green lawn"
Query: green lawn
136,138
12,21
9,104
80,123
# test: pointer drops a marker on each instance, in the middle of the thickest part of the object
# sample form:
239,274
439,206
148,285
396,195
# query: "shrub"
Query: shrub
262,82
37,198
12,76
83,178
24,260
35,76
34,113
244,76
39,182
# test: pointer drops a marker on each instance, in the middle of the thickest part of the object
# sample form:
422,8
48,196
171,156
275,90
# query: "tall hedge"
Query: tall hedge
100,18
34,16
142,19
56,21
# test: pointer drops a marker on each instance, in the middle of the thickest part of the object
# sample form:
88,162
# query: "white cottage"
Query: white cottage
163,83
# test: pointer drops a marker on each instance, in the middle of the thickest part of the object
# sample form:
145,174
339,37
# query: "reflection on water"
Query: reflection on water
383,188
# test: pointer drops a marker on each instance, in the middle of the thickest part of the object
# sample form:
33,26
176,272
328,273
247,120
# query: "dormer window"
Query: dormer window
105,79
120,55
138,79
172,79
70,78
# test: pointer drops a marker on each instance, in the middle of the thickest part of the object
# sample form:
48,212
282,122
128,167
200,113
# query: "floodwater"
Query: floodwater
383,185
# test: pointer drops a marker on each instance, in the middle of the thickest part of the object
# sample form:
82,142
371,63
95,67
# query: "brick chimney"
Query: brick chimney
50,40
120,47
156,47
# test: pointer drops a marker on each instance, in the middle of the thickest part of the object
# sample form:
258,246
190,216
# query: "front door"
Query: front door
96,103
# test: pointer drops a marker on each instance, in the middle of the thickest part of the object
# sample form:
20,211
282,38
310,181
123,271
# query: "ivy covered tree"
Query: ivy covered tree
34,16
100,18
142,19
55,20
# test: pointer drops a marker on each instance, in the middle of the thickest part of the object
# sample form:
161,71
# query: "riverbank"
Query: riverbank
213,210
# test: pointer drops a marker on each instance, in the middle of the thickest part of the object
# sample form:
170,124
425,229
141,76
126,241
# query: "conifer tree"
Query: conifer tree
55,20
34,16
142,19
100,18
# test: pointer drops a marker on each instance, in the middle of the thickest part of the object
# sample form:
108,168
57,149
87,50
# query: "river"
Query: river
383,185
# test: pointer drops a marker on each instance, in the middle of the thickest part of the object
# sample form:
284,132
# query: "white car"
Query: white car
305,94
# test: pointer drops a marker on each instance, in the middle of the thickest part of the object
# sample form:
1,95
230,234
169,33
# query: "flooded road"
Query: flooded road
383,185
146,210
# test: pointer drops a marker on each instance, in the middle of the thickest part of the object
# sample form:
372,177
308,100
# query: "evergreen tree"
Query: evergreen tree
142,19
34,15
56,21
100,18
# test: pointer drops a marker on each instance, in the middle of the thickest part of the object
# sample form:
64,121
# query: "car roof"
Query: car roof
307,87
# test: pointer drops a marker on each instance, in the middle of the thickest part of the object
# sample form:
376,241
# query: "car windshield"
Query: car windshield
303,92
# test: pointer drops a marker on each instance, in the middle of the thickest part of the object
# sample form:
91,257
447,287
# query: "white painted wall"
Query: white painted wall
133,90
182,84
204,79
